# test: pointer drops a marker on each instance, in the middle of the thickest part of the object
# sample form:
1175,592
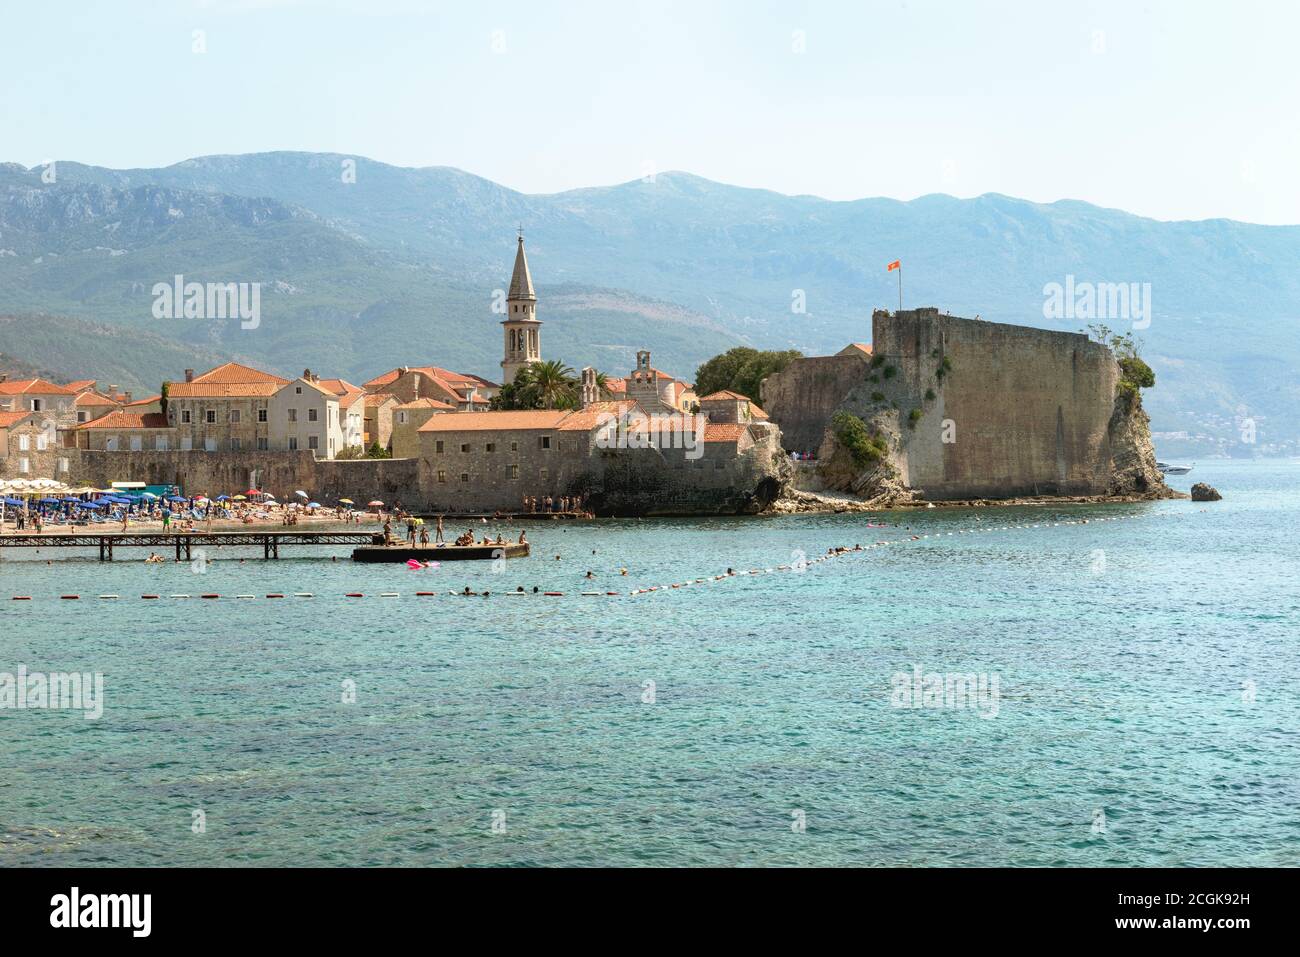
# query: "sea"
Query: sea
994,686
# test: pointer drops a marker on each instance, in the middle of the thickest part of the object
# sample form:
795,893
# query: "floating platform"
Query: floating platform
439,553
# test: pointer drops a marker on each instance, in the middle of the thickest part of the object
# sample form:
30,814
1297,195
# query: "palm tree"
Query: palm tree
553,383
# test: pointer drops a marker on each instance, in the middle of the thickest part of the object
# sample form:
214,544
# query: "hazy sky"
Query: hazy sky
1177,110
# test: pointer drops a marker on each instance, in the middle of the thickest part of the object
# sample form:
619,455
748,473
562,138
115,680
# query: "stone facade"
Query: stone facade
29,447
227,409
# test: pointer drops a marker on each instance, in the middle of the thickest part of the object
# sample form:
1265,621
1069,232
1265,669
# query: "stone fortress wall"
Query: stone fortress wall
1016,411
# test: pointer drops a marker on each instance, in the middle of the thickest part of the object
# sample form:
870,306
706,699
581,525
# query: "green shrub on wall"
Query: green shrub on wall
852,433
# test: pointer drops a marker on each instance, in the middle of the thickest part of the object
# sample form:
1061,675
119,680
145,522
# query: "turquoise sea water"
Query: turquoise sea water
1147,671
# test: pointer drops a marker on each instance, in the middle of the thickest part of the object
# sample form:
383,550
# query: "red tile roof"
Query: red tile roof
91,397
11,418
234,372
128,420
33,386
725,394
222,390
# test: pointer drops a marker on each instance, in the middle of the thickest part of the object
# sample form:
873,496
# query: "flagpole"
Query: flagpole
900,287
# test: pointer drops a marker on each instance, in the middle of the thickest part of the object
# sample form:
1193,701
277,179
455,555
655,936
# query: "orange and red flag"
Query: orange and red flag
896,264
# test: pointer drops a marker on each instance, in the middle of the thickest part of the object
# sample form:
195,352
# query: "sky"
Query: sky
1186,109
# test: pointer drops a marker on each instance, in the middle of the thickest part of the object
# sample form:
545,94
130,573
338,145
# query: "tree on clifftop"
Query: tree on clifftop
1134,372
741,370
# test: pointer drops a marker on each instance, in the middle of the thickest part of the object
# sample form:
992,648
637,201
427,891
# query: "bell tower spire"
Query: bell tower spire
523,332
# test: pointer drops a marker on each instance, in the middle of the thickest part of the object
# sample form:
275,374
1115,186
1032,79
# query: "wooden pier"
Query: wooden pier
183,542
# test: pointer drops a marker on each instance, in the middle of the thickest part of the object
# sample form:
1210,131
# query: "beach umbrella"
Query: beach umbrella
345,501
223,498
149,495
313,504
239,498
301,494
14,501
375,504
94,505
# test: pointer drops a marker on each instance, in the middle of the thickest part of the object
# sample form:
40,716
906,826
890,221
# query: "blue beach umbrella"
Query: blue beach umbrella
93,505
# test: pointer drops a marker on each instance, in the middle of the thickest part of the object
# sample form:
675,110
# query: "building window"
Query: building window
137,443
543,441
209,445
187,443
234,416
313,441
24,465
545,475
293,415
442,476
160,443
36,405
81,417
110,444
464,477
490,447
41,442
261,415
293,443
311,415
464,447
514,471
24,443
185,417
63,465
234,445
262,444
514,446
297,390
401,418
210,417
437,446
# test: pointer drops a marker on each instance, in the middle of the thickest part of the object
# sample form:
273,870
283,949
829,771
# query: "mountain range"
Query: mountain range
364,266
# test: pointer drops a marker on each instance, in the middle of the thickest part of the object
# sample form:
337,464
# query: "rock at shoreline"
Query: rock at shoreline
1205,493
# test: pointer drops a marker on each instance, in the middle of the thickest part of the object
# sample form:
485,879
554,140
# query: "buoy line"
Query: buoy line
834,552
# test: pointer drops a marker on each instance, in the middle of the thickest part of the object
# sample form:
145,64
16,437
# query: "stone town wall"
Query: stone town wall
802,397
282,473
1027,410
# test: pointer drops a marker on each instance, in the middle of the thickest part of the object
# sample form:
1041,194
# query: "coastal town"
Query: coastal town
473,451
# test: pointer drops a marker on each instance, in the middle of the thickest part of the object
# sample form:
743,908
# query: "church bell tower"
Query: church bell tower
523,344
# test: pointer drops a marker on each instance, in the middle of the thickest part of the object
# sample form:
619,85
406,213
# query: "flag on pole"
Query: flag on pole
896,264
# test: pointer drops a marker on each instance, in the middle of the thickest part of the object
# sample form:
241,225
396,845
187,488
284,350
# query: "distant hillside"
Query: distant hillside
401,266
